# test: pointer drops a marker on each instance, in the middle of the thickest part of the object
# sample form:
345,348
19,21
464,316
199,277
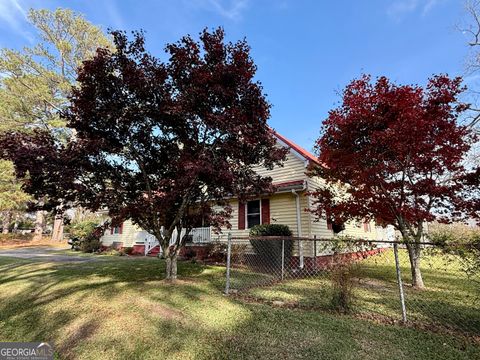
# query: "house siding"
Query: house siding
356,229
293,169
130,234
282,211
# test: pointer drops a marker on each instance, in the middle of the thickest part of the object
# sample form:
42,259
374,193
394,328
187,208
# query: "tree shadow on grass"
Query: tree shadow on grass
73,305
36,285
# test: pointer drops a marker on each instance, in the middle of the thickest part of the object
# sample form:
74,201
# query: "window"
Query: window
253,213
117,230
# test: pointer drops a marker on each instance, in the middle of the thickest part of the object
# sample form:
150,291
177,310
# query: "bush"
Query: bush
25,224
270,230
343,295
269,251
82,229
127,250
86,234
189,253
90,244
216,252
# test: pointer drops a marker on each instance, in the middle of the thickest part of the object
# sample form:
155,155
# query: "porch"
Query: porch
147,244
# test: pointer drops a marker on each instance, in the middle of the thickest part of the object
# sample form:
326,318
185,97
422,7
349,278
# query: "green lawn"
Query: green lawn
120,308
450,302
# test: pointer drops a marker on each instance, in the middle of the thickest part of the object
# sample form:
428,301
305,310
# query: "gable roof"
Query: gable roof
307,155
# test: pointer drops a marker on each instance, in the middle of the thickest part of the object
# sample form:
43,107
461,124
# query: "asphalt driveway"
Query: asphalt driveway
44,253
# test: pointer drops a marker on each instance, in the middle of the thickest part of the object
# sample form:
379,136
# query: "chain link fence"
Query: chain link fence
368,279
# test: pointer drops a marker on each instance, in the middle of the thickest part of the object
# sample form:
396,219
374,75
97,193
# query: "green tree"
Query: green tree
12,198
37,80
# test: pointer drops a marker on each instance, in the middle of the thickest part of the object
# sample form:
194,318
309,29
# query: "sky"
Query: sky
306,51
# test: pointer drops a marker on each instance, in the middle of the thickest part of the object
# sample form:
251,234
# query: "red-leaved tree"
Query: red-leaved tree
395,154
160,143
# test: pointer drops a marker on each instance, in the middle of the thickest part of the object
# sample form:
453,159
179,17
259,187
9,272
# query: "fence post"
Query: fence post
315,251
229,253
400,284
283,258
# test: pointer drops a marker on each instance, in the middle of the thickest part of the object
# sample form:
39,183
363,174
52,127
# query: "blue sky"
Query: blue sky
306,51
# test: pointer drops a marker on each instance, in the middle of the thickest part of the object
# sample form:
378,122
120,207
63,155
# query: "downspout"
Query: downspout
299,226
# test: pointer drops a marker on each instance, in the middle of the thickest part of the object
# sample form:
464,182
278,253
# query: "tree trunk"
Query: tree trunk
39,223
414,252
57,233
6,222
171,260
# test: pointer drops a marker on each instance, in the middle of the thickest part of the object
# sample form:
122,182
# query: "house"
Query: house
286,206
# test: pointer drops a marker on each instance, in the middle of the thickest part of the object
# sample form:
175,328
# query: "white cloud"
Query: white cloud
12,14
14,17
398,9
230,9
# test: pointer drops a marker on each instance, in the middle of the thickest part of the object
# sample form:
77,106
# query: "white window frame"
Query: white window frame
246,212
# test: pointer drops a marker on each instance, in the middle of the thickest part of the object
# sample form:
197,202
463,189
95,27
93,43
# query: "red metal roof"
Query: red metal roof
306,154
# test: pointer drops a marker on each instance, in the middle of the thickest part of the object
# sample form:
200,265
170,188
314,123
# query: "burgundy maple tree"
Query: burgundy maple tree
159,143
395,154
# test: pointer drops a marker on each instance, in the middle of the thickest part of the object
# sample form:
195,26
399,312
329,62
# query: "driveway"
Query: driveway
44,253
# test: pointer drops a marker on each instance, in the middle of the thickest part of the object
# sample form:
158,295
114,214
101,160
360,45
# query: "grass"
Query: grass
450,301
121,308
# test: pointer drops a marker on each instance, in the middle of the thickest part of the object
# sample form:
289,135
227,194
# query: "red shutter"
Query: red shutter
265,211
120,229
241,216
366,226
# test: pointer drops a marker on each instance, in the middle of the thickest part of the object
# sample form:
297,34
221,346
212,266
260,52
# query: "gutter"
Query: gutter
299,224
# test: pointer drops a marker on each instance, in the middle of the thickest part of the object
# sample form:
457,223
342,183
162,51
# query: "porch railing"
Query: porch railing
201,235
150,242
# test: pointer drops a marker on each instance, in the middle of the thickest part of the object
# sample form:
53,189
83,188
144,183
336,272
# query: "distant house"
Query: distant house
286,206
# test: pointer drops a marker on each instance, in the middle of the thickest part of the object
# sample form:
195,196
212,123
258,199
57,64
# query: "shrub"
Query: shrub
269,251
270,230
25,224
88,234
82,229
343,284
216,252
189,253
90,244
127,250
